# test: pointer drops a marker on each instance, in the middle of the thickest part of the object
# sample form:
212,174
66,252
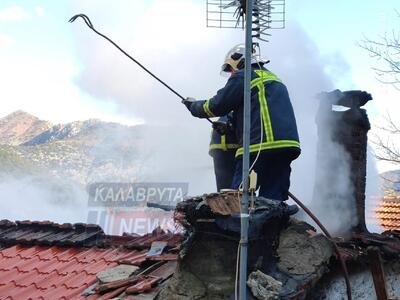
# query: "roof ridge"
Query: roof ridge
50,233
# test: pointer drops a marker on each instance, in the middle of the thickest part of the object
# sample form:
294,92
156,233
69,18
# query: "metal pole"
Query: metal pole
246,155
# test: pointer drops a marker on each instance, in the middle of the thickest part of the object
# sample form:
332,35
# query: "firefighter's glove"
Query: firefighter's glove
220,127
188,102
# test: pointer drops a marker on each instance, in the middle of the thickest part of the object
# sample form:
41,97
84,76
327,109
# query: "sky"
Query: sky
62,72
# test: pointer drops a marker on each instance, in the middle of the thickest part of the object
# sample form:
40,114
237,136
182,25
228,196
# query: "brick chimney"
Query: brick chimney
342,122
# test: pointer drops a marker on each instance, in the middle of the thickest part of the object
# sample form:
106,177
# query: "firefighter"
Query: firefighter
274,140
223,148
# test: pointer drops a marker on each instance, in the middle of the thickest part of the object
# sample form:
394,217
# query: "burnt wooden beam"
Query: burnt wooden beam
378,274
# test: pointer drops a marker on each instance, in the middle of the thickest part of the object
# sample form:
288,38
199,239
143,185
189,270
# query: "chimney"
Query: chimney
343,123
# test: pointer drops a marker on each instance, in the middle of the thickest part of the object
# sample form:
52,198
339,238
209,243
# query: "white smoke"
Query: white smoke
182,51
41,198
171,39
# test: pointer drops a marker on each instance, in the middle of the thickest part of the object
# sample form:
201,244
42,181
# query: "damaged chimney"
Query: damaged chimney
344,124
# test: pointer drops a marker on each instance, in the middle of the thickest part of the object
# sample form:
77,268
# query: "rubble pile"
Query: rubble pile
263,286
288,258
285,253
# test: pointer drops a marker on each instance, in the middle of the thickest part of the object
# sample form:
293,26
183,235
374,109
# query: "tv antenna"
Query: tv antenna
267,14
257,17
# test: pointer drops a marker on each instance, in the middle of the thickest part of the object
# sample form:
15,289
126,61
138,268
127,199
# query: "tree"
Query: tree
387,144
386,51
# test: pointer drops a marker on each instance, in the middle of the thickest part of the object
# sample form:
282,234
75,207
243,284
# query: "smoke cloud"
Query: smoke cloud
182,51
42,198
178,48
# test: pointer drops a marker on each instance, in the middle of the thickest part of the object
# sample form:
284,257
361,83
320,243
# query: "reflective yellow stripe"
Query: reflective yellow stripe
264,76
269,134
206,107
223,141
261,92
224,147
270,145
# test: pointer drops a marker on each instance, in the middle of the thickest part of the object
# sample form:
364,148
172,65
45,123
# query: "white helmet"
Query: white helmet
234,59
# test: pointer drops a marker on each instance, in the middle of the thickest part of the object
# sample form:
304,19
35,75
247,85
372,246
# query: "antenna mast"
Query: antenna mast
256,17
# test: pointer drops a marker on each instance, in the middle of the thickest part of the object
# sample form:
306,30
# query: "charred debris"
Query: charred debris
288,258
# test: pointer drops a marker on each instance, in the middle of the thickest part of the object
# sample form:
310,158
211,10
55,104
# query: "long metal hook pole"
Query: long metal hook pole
90,25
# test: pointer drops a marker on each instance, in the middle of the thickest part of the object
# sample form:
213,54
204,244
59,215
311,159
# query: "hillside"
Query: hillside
20,127
391,182
81,151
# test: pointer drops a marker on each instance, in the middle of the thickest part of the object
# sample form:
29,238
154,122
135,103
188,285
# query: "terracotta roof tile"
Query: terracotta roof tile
44,260
11,251
61,292
11,291
31,271
387,213
79,279
49,233
9,276
65,254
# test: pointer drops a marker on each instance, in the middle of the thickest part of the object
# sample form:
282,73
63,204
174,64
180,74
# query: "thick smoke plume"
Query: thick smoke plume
188,56
171,39
30,197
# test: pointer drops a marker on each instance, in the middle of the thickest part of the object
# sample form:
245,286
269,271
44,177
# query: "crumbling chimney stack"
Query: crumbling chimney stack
342,122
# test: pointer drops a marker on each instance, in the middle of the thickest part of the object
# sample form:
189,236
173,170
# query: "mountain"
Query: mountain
391,182
13,164
64,131
88,132
80,151
20,127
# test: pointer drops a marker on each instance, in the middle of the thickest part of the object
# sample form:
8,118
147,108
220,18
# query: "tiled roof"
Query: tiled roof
49,233
388,213
53,272
44,260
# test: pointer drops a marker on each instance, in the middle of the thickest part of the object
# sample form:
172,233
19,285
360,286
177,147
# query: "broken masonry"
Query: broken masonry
347,127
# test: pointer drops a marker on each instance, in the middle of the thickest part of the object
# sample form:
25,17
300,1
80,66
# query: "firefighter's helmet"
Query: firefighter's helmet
234,59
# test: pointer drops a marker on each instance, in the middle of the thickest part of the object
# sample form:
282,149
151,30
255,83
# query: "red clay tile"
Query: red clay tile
56,280
86,255
53,272
7,263
99,266
48,253
11,251
133,255
166,270
5,289
64,254
60,292
7,276
71,266
116,255
112,294
48,266
143,286
29,278
30,292
111,254
25,265
72,294
79,280
93,255
29,251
